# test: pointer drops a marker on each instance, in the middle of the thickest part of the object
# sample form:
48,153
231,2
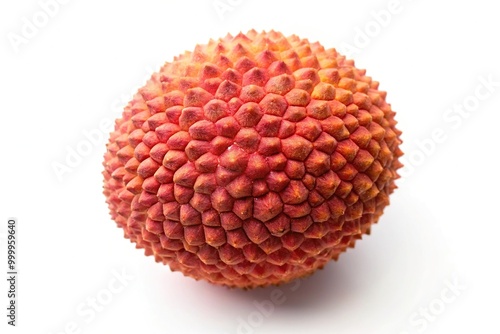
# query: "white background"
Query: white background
442,228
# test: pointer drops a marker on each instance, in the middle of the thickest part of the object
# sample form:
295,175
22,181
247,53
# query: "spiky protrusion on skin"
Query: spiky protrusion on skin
252,160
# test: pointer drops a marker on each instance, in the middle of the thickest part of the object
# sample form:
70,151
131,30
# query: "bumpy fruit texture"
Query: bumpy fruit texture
252,160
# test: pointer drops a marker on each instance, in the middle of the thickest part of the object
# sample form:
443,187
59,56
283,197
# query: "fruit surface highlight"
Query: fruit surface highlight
253,160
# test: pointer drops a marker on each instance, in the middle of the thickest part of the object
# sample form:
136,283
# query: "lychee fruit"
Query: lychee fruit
253,160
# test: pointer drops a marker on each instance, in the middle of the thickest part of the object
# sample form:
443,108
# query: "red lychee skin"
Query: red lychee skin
252,160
